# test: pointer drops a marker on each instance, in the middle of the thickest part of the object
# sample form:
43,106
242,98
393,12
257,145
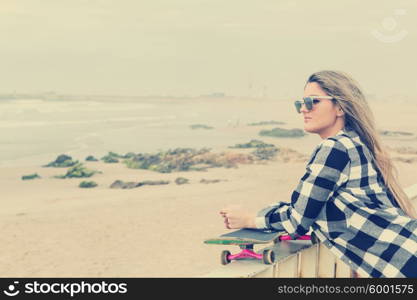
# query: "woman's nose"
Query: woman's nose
303,108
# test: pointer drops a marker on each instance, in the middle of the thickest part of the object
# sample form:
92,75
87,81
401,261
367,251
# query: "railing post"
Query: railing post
326,262
342,269
308,262
287,267
267,273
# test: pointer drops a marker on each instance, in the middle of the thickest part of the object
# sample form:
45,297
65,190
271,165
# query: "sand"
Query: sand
52,228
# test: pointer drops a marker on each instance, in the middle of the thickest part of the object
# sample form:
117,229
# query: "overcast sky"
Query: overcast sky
193,47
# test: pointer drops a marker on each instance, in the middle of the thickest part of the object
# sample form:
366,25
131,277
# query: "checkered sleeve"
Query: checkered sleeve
325,172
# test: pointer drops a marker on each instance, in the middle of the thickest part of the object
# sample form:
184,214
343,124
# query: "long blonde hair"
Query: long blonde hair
359,117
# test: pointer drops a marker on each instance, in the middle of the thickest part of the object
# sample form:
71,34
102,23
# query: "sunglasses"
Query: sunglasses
308,102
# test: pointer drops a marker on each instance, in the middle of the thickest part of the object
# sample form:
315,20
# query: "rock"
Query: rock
200,126
111,157
91,158
130,185
281,132
265,153
181,180
31,176
267,123
62,158
119,184
62,161
129,155
153,182
186,159
87,184
78,171
110,160
253,144
211,180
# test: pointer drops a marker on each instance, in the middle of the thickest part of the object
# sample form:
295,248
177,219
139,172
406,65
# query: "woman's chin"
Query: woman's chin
309,129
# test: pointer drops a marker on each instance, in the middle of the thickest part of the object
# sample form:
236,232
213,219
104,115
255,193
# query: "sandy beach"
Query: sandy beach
52,228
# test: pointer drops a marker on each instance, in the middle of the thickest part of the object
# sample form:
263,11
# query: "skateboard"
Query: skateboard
246,238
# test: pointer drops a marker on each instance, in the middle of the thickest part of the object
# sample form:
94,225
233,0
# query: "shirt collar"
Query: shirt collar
347,131
350,133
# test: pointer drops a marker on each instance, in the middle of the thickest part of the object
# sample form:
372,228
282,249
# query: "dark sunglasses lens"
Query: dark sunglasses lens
298,106
309,103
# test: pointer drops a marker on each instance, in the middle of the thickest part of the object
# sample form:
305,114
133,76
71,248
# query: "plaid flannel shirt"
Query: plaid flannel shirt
342,198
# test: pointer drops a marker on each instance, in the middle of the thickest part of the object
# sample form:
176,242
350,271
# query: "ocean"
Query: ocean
35,131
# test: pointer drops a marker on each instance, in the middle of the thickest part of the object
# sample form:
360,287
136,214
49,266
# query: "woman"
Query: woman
349,196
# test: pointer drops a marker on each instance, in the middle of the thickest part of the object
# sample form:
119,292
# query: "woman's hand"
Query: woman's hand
236,218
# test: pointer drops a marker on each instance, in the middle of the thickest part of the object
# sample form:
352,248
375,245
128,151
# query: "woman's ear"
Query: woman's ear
339,112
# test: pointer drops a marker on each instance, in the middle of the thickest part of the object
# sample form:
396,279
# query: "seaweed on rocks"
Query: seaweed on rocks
206,181
200,126
266,123
252,144
78,171
179,159
91,158
181,180
62,161
87,184
119,184
111,157
281,132
31,176
265,153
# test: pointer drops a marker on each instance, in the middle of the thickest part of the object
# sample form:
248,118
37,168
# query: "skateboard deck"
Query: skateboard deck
246,237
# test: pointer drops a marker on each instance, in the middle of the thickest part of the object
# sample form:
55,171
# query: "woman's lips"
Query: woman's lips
306,119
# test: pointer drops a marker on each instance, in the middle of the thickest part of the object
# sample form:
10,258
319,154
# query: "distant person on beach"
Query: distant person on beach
349,196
